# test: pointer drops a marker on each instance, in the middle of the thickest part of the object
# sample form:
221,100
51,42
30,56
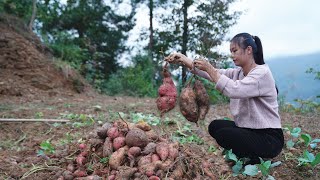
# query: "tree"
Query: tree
33,16
198,32
93,25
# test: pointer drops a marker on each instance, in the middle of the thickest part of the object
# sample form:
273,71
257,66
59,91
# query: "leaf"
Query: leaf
267,164
316,161
290,144
263,169
237,167
313,145
295,132
306,138
251,170
308,155
275,164
231,156
270,177
315,141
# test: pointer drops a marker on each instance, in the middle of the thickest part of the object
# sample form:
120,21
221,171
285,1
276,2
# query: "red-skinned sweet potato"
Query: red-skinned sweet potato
162,150
167,93
119,142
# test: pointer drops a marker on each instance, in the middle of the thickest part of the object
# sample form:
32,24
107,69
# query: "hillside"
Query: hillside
291,77
28,69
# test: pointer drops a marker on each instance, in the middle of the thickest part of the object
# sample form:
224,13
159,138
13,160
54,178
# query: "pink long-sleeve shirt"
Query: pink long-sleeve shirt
253,98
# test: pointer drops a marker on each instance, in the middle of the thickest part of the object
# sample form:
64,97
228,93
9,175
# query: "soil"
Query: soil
33,86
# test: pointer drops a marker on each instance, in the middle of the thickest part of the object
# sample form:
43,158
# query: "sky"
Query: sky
285,27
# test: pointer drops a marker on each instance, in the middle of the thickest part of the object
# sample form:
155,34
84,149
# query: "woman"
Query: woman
256,129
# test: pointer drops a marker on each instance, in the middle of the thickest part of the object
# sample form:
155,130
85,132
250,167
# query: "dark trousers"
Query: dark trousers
245,142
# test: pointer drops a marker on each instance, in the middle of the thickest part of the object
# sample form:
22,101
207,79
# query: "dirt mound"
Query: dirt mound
28,69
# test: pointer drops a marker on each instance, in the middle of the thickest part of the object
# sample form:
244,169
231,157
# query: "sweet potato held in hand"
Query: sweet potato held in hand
167,93
188,104
202,99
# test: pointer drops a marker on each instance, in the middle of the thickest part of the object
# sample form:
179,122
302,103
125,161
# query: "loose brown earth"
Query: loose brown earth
32,86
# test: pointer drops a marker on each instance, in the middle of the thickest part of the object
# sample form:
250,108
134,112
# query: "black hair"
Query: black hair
244,40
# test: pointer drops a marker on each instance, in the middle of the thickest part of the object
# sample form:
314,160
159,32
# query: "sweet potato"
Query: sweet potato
165,103
80,160
107,147
188,104
154,178
136,137
80,173
162,150
155,157
173,152
145,160
70,167
102,131
112,177
178,171
150,169
113,133
119,142
124,173
143,126
134,151
118,157
150,148
67,175
167,93
202,99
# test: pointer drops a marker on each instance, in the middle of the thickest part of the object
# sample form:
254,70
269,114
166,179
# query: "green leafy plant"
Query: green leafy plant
148,118
38,115
309,158
308,141
46,148
295,133
250,170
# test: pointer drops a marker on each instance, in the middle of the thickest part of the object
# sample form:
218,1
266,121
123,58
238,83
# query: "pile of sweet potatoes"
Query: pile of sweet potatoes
129,151
194,101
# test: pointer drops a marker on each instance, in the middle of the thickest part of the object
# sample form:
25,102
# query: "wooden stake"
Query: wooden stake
33,120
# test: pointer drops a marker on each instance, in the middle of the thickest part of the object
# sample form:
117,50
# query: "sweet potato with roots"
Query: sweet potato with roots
167,93
202,99
188,104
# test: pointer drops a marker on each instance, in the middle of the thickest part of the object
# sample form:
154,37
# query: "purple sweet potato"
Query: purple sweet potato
102,131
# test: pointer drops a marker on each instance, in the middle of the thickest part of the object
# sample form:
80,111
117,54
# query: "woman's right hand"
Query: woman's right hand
175,58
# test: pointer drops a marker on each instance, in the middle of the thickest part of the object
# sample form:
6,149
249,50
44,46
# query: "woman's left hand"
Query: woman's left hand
202,64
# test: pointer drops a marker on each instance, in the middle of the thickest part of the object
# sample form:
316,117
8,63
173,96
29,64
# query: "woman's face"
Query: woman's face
240,56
